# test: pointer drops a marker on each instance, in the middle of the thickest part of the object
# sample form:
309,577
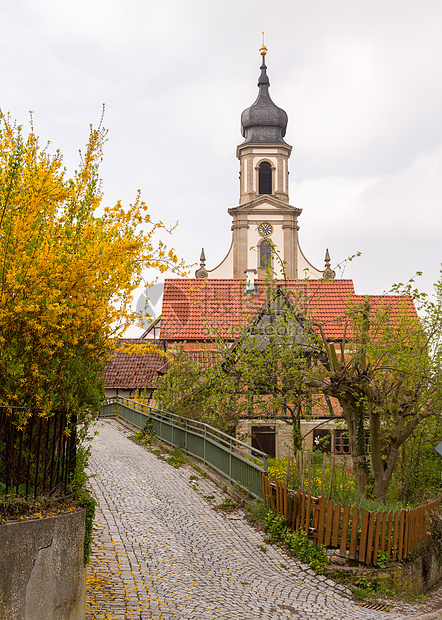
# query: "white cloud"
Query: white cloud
360,82
394,219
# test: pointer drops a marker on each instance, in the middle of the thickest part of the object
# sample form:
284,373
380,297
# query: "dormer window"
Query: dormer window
265,178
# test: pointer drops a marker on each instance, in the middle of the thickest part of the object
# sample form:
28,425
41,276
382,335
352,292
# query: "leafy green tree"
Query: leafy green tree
418,472
388,383
385,373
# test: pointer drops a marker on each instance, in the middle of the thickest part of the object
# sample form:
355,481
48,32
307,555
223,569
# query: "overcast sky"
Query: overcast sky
360,82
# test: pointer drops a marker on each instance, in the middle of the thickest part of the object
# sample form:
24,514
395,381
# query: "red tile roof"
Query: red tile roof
193,307
134,364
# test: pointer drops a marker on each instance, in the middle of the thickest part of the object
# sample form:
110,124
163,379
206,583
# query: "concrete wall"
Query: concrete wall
42,573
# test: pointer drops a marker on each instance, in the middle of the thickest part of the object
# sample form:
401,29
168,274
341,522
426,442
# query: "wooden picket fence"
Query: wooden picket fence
358,534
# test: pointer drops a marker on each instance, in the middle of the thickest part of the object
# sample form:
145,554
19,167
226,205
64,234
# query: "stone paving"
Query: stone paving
162,550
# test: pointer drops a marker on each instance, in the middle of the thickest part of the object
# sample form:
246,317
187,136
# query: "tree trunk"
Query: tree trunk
351,414
295,411
378,464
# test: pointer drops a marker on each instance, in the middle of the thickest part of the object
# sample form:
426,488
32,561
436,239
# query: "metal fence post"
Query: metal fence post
230,461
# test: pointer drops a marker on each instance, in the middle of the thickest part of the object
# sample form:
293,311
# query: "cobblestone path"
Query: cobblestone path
163,551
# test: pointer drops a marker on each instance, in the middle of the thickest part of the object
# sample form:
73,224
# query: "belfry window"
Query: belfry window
265,178
265,254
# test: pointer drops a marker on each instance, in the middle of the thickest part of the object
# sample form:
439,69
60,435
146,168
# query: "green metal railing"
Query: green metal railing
234,459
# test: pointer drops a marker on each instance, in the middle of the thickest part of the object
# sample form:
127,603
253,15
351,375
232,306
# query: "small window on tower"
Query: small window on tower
265,178
265,254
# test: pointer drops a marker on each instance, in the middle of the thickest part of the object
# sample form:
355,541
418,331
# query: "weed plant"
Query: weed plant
304,549
176,458
365,587
256,512
227,504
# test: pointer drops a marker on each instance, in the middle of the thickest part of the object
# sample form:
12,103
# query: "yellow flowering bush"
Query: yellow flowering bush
68,268
344,488
277,469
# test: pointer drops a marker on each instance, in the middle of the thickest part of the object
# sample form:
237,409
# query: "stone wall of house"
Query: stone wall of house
42,568
283,432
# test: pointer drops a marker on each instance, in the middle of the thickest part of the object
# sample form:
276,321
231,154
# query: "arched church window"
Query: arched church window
265,254
265,178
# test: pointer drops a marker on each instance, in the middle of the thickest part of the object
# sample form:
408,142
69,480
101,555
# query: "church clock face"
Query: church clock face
265,229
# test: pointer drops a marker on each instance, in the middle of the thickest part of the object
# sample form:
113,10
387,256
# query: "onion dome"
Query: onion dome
263,122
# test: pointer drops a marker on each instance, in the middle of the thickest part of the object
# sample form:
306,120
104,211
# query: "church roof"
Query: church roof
263,121
193,307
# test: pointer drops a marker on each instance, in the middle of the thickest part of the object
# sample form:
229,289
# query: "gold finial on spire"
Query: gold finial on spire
263,49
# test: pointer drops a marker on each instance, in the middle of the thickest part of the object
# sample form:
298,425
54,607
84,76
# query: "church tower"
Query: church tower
265,226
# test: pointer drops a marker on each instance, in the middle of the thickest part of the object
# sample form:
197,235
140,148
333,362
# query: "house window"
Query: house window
342,442
265,254
265,178
321,440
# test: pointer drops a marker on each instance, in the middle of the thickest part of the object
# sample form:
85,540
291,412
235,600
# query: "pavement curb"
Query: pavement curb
429,615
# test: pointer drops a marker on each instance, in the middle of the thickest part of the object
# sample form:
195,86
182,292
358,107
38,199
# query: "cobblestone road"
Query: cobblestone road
163,551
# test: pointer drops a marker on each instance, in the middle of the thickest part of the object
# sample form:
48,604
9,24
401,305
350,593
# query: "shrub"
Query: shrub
298,542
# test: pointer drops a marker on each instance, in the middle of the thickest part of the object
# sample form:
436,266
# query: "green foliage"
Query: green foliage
147,435
382,560
256,512
12,495
80,477
226,504
311,554
275,526
198,469
344,489
176,458
89,503
298,542
178,390
364,587
359,593
418,475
